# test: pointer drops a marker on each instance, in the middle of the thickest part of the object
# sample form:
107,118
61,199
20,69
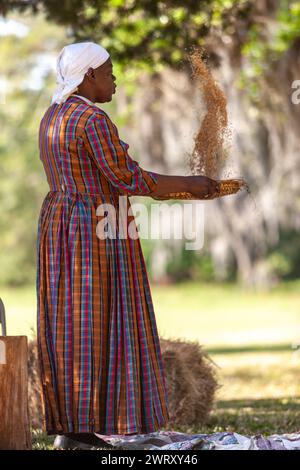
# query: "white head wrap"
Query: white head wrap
72,63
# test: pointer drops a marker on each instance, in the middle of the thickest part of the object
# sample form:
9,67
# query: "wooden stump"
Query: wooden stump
14,414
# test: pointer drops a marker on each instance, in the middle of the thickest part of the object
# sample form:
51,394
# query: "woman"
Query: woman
100,360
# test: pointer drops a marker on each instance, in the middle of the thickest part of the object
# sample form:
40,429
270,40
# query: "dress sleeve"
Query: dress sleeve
110,154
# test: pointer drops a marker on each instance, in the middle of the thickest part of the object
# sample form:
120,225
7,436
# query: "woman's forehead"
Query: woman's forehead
106,66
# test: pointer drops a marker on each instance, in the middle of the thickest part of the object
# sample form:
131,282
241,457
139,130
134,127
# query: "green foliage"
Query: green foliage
285,259
142,33
280,264
190,265
23,184
288,20
264,46
147,34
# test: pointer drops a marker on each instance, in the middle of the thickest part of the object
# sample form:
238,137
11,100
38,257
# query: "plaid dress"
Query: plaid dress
101,366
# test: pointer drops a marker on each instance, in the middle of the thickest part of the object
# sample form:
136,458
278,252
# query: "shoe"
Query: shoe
63,442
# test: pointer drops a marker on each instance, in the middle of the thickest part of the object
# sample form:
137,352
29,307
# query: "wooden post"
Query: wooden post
14,410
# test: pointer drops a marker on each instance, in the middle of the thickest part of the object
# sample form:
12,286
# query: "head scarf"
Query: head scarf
72,63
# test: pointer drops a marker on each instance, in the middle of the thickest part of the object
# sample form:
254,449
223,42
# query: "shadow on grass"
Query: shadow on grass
251,349
248,417
256,416
279,404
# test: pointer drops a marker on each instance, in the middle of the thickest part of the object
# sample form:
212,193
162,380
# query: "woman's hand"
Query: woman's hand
203,187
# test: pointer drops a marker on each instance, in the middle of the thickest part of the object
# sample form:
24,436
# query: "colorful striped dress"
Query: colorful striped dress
101,366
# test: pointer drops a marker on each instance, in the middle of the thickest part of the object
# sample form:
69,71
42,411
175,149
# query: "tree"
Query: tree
23,184
145,33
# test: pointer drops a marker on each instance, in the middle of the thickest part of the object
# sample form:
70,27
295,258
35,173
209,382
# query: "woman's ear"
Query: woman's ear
90,73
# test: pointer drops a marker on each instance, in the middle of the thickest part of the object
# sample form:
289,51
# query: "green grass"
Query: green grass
20,310
215,315
41,441
249,335
259,394
225,315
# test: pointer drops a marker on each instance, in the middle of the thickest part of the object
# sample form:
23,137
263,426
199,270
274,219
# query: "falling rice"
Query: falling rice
210,151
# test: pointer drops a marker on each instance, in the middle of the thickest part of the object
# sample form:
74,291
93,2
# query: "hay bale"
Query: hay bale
34,387
190,375
191,382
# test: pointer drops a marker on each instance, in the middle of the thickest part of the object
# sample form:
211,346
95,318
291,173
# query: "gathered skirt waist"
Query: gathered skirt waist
70,193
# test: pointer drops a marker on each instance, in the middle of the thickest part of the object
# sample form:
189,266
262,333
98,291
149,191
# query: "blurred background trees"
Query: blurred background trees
252,48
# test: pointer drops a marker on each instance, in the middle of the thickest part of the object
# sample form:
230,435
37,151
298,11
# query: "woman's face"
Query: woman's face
103,81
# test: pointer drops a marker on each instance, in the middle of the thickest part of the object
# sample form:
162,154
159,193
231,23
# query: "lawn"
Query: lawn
225,315
249,335
215,315
259,394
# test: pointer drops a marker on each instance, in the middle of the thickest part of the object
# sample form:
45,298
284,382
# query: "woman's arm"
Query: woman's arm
198,186
110,154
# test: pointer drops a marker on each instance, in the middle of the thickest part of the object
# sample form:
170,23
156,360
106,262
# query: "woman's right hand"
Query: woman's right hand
203,187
